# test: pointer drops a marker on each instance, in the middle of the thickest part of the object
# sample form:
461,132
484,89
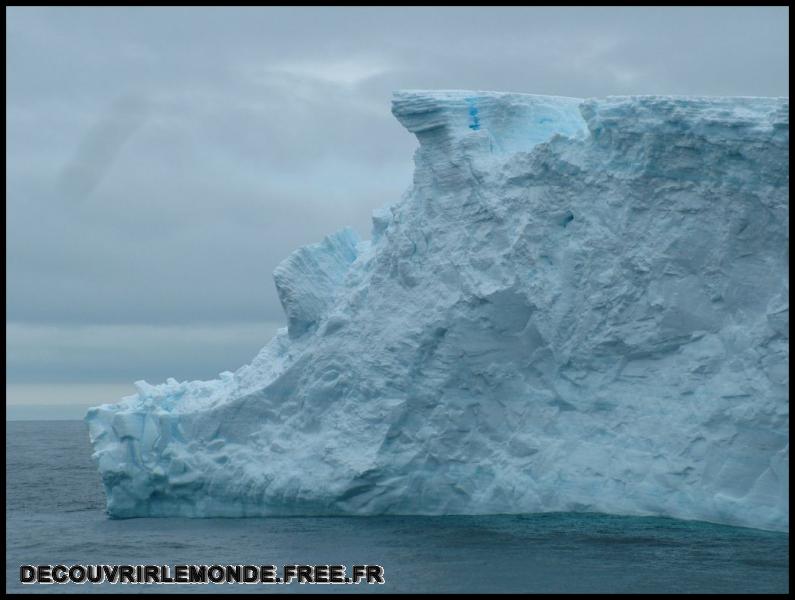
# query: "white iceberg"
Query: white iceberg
579,305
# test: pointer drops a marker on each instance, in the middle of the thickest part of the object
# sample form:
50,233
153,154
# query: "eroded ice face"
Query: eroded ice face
578,305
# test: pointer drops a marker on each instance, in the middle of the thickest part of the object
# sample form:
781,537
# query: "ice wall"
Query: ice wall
579,305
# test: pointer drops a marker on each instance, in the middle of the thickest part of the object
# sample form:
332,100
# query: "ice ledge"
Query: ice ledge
718,119
514,122
518,122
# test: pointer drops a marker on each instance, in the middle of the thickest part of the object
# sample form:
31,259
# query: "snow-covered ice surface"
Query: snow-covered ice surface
579,305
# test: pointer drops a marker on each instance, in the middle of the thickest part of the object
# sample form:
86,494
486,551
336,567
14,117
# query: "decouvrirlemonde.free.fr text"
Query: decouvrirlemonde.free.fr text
193,574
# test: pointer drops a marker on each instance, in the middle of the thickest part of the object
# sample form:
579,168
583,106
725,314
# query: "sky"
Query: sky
160,162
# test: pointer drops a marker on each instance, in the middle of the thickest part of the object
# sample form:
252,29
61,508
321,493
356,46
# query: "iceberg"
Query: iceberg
578,305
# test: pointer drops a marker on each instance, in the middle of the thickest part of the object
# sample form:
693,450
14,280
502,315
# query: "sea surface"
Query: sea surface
55,515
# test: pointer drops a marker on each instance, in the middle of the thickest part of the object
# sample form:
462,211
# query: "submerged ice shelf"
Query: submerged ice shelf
579,305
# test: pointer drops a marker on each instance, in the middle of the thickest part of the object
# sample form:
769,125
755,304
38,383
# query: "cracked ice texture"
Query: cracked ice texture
579,305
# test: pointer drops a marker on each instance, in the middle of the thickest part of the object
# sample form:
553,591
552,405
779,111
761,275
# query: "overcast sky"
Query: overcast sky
162,161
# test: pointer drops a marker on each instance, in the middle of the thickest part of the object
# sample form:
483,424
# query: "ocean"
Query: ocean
55,515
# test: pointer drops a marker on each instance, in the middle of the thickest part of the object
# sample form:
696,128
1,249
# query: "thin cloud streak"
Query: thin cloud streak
101,145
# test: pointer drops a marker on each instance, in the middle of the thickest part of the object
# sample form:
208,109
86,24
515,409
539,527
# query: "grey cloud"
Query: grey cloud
60,401
114,353
258,130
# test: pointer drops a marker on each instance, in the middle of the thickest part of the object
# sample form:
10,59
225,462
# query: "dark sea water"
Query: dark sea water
54,515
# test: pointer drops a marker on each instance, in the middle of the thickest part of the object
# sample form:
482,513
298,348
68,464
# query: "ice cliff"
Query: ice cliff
579,305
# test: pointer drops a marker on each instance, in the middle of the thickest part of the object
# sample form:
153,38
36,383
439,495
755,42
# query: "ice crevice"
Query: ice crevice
579,304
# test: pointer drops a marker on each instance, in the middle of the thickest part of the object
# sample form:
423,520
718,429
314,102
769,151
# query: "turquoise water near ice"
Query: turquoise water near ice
55,514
